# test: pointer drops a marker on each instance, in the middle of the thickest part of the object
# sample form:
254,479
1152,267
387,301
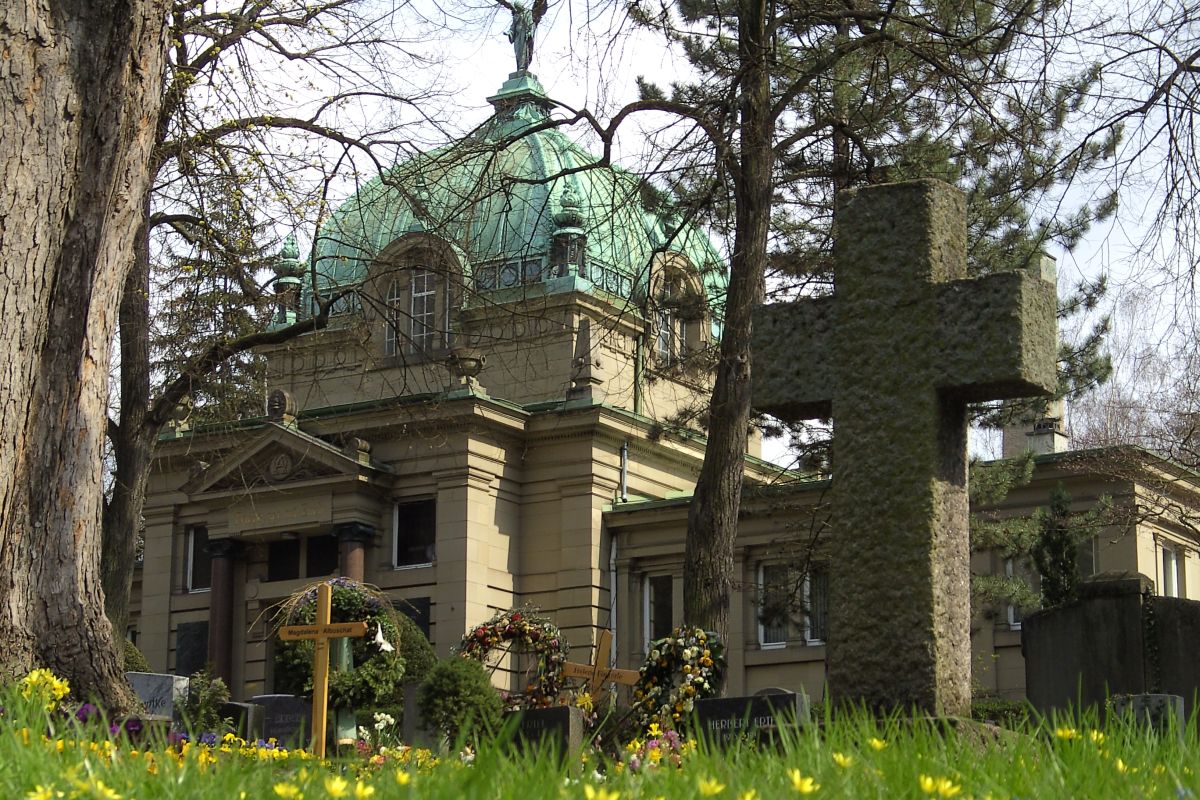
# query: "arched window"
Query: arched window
678,314
415,313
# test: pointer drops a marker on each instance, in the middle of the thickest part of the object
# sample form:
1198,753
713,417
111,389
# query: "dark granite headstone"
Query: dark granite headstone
191,647
247,719
559,728
413,729
286,718
761,717
1159,712
159,693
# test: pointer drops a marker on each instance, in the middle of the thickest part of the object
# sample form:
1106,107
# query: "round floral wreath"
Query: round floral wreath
679,669
532,634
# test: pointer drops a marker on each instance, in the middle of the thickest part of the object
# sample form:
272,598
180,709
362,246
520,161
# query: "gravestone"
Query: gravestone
558,728
725,719
247,719
413,729
159,693
285,718
1159,712
894,356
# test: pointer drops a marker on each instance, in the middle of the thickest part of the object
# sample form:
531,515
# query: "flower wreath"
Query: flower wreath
533,634
376,679
679,669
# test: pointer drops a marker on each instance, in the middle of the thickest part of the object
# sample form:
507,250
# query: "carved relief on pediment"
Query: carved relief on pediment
274,465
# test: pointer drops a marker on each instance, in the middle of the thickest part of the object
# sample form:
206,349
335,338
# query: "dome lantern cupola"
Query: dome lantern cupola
288,269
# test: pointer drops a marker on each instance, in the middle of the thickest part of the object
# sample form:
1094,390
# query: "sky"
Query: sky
587,57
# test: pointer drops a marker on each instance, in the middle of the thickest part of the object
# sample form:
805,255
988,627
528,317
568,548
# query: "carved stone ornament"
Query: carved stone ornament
280,467
281,406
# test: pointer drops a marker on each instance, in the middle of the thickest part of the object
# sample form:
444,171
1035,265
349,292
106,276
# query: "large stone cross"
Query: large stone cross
597,674
894,356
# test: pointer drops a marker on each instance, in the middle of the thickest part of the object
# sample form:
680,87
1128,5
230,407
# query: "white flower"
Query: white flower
383,720
383,644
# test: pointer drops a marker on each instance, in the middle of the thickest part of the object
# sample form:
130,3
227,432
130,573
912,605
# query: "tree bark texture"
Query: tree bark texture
713,515
82,82
132,439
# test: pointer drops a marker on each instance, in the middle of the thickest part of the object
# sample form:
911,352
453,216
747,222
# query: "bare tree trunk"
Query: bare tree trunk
713,516
132,438
82,85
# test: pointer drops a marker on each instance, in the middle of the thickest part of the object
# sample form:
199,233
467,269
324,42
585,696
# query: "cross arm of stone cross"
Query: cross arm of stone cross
598,674
907,298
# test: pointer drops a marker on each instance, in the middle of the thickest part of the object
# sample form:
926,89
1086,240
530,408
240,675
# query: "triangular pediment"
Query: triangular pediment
281,455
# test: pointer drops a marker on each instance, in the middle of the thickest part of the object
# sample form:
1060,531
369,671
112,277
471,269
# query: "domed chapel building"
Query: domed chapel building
501,369
492,419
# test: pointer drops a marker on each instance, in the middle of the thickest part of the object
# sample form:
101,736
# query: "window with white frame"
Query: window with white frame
792,604
414,534
677,314
415,313
197,569
1170,572
658,612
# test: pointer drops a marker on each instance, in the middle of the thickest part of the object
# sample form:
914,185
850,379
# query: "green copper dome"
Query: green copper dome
493,199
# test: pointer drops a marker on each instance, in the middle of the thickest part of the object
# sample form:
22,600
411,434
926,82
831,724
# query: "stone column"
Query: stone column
223,552
352,548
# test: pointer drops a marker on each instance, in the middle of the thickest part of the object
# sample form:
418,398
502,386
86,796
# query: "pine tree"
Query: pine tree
799,101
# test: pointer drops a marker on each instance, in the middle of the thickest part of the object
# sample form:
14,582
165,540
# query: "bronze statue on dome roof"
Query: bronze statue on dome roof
524,25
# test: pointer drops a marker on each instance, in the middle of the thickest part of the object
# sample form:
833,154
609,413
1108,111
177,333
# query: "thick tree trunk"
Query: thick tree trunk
82,84
713,516
132,439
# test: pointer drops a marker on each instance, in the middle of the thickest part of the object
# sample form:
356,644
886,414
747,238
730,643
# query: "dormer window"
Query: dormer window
677,315
415,318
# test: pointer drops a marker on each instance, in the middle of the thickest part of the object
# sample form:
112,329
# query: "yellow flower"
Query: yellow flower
336,786
403,778
749,794
1066,734
105,792
654,731
1097,737
802,784
843,760
877,744
942,787
1122,767
592,793
287,791
40,792
710,787
362,791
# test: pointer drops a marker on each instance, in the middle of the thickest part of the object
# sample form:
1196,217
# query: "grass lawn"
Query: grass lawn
46,756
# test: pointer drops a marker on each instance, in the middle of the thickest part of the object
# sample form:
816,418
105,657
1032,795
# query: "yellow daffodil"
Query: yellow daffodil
287,791
710,787
843,760
749,794
363,790
1066,733
593,793
403,778
1097,737
941,787
877,744
40,792
336,786
1123,768
802,784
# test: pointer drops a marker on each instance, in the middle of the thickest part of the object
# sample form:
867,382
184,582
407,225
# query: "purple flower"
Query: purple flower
133,726
208,738
86,712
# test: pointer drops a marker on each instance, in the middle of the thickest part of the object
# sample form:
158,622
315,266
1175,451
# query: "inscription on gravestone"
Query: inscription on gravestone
158,692
894,357
285,718
559,728
723,719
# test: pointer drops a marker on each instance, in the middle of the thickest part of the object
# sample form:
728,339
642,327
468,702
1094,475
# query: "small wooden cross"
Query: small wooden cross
597,674
320,633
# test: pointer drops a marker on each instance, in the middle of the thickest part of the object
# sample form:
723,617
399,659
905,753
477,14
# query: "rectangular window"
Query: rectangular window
414,534
424,295
1086,557
321,556
659,612
816,603
1012,612
774,604
1170,573
394,297
283,560
198,569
